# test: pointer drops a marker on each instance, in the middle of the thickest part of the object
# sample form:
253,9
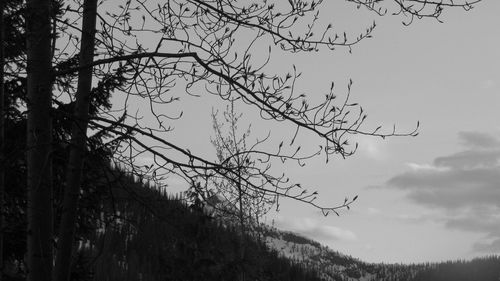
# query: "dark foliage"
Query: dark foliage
127,229
484,269
157,237
479,269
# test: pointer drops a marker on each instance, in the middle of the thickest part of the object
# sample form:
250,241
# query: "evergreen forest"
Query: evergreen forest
108,220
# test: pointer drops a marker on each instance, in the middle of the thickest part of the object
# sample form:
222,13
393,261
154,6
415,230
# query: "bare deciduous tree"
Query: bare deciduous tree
232,200
234,149
161,50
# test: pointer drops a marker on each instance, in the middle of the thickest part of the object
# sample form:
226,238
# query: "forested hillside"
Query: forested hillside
334,266
82,174
156,237
487,268
129,230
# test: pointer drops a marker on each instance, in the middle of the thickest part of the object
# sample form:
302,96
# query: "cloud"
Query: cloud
479,140
315,229
484,220
465,185
451,189
492,247
373,148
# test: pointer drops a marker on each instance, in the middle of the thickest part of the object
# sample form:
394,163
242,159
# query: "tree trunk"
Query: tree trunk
39,141
78,145
2,134
242,224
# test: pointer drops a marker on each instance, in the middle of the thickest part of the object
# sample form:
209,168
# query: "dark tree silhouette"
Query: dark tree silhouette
193,47
2,134
78,144
39,140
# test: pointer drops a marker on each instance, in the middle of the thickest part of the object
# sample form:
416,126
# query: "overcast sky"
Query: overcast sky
429,198
436,196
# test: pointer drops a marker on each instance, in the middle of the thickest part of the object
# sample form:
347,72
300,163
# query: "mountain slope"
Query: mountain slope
333,265
153,236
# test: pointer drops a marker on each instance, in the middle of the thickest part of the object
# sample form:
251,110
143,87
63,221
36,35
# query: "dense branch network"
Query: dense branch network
412,9
165,49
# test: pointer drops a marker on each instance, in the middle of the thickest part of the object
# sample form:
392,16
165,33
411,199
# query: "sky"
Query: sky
433,197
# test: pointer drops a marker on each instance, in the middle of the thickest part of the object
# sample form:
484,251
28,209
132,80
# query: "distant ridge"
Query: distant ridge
201,247
332,265
129,231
